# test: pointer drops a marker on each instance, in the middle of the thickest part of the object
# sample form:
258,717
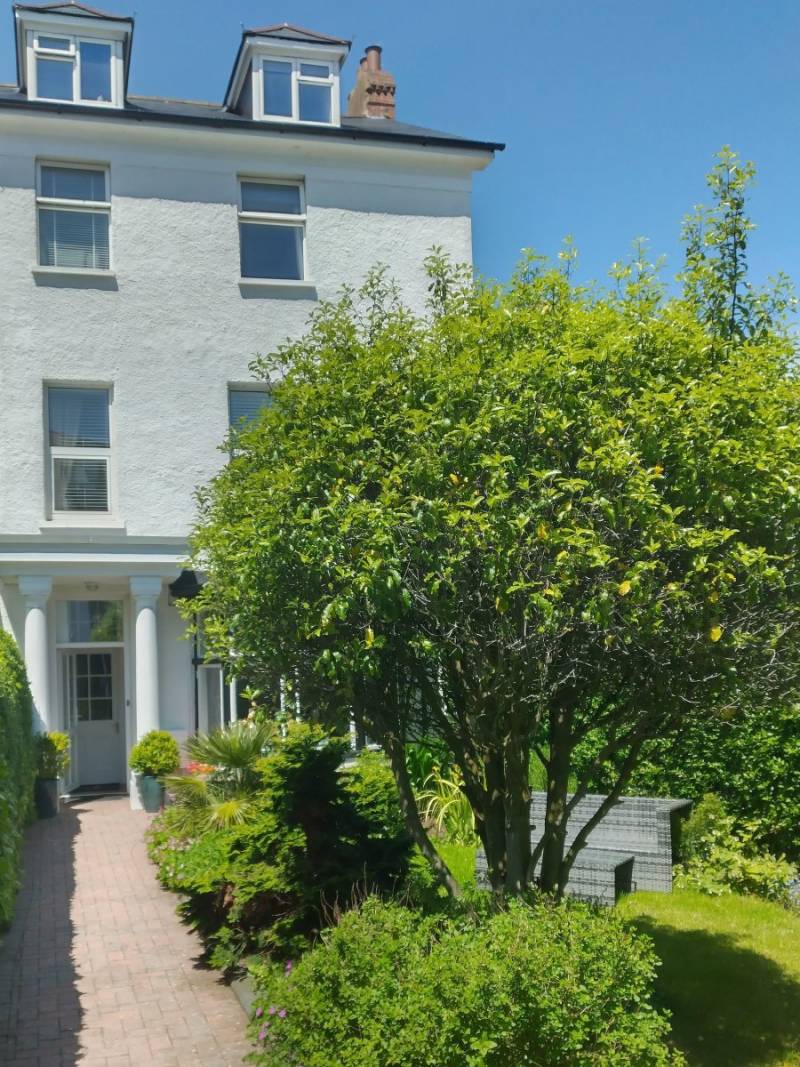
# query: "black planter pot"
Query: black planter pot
45,795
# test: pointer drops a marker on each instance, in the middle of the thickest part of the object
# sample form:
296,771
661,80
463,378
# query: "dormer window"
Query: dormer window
288,74
73,69
73,54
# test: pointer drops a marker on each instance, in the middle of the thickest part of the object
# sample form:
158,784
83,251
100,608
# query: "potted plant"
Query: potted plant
52,764
153,756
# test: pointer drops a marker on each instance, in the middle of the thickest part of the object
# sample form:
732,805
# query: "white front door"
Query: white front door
95,715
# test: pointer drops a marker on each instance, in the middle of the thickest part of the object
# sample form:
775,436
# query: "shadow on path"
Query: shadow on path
40,1012
732,1007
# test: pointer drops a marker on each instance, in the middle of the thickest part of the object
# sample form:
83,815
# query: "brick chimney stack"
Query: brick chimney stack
374,93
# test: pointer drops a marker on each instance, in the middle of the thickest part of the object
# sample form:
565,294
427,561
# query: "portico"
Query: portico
101,638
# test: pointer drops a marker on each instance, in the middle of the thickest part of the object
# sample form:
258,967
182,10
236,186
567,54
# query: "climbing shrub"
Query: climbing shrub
17,768
541,984
317,838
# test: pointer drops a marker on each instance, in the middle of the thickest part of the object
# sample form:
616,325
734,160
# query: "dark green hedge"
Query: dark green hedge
17,768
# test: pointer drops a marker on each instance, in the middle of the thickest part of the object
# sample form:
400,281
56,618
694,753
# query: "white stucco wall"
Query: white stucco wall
170,331
175,327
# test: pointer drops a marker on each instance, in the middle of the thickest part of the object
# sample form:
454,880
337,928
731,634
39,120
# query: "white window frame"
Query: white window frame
58,203
73,57
274,218
295,61
79,517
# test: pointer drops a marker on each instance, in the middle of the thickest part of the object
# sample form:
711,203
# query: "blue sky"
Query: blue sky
612,109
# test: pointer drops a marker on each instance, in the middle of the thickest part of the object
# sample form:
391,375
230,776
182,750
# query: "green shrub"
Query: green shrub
751,759
717,858
316,838
17,768
542,985
52,755
155,754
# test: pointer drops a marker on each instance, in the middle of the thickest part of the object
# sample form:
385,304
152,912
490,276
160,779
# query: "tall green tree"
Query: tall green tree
537,514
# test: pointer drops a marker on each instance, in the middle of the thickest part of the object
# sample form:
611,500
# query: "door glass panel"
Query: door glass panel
101,709
94,680
101,687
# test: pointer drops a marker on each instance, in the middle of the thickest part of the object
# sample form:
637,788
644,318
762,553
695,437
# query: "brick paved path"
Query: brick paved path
96,970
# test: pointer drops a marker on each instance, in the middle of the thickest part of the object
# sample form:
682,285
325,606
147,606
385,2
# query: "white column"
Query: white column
146,591
36,590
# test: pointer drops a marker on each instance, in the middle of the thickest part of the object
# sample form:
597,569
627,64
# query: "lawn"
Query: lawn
730,976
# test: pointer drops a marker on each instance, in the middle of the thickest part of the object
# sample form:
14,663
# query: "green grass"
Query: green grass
460,859
730,976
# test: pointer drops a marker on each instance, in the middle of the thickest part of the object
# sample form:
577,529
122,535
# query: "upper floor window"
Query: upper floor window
295,89
72,68
74,211
244,405
80,442
272,223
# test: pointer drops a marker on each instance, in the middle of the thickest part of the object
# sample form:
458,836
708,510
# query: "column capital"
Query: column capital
36,588
145,586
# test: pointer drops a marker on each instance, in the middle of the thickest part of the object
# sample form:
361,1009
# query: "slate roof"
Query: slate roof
198,113
284,31
73,7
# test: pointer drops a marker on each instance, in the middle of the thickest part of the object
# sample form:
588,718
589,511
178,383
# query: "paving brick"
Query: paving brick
96,970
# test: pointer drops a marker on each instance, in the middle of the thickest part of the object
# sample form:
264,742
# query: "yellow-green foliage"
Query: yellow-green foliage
17,768
53,755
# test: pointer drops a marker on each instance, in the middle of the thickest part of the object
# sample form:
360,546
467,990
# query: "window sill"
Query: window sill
278,283
73,272
84,523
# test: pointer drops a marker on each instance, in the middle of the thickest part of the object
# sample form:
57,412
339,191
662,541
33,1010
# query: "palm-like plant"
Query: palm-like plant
224,796
443,803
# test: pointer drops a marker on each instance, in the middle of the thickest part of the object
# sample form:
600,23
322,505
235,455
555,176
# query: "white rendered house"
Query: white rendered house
150,249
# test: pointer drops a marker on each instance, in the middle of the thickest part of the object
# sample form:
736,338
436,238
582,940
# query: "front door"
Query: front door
94,714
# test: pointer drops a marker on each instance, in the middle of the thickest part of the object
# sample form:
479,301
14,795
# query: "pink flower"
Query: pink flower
262,1034
259,1012
272,1010
288,968
282,1013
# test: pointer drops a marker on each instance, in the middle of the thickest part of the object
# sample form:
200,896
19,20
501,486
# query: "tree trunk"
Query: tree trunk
517,816
555,829
408,805
494,824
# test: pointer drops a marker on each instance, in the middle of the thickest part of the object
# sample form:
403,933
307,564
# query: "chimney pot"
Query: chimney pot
373,95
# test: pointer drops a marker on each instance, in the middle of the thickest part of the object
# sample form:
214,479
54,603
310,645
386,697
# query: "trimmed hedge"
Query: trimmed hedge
17,768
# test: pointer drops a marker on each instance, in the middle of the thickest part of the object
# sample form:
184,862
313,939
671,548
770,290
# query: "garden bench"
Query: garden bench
632,847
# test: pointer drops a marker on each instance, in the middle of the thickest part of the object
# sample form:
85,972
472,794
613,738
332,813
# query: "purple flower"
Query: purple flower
262,1034
282,1013
259,1012
272,1010
288,968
